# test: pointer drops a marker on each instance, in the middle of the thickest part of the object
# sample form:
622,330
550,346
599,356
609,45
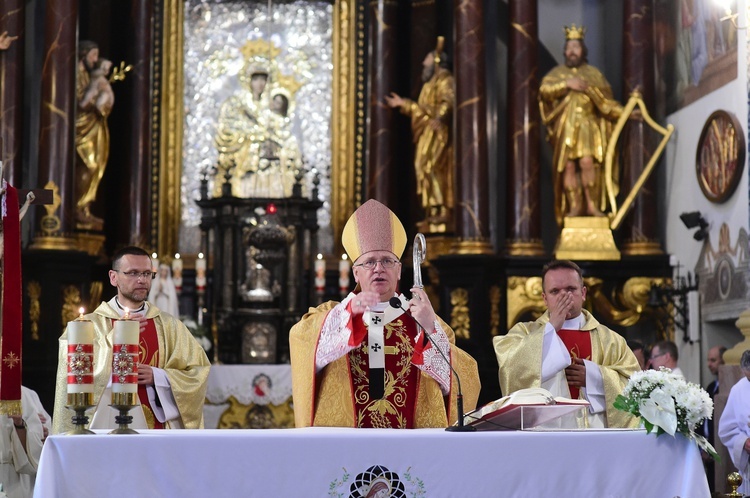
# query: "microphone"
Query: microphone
396,303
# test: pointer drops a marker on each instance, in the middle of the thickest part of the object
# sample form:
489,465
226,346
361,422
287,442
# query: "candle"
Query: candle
80,356
200,272
177,271
344,267
154,262
125,356
320,273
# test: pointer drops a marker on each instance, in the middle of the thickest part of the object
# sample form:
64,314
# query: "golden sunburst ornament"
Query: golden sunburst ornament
11,360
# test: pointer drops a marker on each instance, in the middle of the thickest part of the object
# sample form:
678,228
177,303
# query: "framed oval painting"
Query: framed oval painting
720,158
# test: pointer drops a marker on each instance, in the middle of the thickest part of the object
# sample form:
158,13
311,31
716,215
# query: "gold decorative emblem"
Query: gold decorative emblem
460,320
11,360
34,291
720,157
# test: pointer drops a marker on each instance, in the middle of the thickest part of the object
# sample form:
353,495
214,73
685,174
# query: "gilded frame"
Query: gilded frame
347,120
720,153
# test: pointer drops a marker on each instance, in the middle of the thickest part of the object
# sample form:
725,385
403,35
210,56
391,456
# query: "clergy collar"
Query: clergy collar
575,323
121,310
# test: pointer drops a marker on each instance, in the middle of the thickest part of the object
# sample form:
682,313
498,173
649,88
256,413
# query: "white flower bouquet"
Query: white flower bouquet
666,403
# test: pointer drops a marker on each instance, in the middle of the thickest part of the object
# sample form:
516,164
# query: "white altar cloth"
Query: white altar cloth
326,462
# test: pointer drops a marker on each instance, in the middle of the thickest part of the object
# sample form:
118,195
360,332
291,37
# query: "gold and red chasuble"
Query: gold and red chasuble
148,355
578,344
396,407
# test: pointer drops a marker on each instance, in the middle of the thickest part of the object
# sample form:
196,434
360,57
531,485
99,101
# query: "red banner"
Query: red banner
10,352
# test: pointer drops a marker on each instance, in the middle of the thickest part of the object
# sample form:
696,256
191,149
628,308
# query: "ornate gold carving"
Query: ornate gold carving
345,158
494,310
95,294
473,246
586,238
641,248
524,296
34,291
170,102
71,304
460,320
50,236
90,243
524,248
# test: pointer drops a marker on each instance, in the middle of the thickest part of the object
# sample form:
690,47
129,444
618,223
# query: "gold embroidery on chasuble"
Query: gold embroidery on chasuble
396,408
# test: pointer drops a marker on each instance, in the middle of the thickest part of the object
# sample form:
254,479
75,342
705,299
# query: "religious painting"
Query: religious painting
720,158
723,273
696,49
268,95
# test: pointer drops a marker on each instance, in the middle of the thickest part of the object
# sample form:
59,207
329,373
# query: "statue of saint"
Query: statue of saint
579,111
95,100
431,124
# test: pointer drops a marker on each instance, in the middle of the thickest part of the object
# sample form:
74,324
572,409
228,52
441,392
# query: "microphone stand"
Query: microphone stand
460,427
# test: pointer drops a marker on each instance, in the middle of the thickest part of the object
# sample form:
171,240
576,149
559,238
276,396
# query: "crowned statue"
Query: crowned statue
579,112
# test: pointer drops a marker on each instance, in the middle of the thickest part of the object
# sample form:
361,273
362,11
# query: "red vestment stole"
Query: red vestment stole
396,409
578,343
148,345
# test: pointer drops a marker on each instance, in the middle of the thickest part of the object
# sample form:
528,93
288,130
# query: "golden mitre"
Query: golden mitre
574,33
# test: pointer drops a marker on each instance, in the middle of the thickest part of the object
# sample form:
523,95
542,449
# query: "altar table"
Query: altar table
338,462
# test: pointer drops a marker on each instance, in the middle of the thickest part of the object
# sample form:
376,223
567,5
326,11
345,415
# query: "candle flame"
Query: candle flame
200,255
80,313
320,256
177,255
344,257
153,255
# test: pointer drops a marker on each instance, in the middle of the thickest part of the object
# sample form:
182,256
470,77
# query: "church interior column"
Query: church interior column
472,176
640,227
11,92
57,124
382,63
139,154
523,215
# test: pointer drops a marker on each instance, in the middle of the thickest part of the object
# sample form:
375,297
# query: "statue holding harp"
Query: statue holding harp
584,123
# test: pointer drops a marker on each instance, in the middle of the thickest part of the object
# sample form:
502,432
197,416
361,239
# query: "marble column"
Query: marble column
639,231
57,124
382,65
12,14
422,40
523,212
472,176
139,147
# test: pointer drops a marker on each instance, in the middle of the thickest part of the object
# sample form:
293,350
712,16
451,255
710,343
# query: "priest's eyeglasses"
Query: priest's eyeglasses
145,275
385,263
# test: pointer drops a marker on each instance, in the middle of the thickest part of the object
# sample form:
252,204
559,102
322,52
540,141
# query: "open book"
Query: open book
523,409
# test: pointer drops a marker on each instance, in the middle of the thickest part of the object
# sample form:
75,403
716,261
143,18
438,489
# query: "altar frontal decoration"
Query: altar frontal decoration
667,404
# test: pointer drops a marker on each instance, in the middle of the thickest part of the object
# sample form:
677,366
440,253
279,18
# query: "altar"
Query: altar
326,462
249,397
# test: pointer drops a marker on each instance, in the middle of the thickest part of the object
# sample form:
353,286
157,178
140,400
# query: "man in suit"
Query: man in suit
714,360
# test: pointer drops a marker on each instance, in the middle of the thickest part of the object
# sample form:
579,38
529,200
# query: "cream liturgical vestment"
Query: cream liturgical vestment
520,357
331,396
734,430
180,357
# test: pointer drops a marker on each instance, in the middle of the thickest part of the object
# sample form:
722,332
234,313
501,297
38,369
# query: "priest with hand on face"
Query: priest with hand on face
363,362
568,352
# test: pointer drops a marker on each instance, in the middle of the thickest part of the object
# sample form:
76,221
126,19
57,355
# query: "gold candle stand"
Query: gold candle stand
123,402
79,403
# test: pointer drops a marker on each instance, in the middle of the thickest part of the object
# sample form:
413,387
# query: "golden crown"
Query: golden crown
574,33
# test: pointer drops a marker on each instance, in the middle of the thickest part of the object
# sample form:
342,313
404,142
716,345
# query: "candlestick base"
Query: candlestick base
123,402
79,403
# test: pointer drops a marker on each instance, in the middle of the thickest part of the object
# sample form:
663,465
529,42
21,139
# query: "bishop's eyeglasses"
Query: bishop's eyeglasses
372,263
